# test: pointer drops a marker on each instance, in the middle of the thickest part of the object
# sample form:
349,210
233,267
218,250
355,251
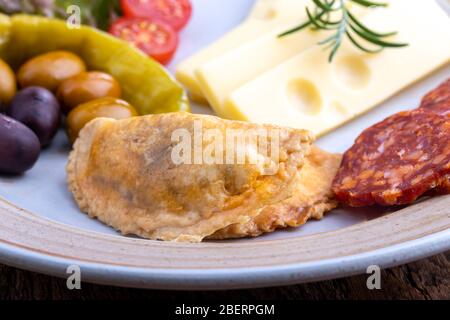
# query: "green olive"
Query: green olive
104,107
85,87
48,70
8,85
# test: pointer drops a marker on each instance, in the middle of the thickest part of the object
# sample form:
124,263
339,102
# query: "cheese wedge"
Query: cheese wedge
221,76
310,93
266,15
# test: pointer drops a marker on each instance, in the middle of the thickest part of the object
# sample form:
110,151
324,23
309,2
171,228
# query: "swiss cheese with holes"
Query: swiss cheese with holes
265,16
308,92
220,76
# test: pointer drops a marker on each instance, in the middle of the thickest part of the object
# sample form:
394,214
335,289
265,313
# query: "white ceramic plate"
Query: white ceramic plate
41,228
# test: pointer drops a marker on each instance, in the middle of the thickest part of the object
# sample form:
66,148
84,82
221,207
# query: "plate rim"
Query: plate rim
224,277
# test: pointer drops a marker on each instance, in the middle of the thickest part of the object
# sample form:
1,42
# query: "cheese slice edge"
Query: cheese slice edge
308,92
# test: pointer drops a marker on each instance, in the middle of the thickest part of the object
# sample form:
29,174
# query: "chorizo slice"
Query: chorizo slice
396,161
438,100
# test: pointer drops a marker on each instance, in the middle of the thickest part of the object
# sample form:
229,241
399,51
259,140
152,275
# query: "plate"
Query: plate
41,228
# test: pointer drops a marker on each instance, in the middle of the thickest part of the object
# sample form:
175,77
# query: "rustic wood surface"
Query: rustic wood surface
426,279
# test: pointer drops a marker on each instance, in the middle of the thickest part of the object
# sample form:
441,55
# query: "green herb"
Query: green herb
346,26
97,13
26,6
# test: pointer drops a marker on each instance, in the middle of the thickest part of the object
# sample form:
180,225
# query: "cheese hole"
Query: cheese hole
352,72
304,96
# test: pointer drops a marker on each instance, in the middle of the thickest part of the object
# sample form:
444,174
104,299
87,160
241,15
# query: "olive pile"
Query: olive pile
51,85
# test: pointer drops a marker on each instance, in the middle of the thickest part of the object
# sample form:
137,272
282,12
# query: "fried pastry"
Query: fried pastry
312,198
123,173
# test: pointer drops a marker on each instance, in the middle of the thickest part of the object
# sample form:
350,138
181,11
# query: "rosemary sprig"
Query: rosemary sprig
346,26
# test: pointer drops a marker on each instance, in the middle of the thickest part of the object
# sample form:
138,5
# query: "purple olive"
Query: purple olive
19,146
38,109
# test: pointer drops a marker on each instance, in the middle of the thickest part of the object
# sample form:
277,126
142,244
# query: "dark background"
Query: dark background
425,279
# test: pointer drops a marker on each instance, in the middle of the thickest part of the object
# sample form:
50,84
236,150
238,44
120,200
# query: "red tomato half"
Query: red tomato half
173,12
156,39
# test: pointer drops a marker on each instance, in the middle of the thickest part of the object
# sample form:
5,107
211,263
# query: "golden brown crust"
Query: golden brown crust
121,173
313,197
78,159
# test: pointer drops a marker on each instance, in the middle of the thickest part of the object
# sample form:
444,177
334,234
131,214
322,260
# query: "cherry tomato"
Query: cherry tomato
155,38
176,13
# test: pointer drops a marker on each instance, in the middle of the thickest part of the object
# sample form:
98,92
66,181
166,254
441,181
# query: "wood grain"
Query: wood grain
426,279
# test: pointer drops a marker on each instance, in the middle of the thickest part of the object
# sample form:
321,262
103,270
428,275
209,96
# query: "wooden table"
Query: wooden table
426,279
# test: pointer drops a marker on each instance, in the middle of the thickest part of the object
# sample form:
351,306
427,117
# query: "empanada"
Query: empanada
123,173
312,198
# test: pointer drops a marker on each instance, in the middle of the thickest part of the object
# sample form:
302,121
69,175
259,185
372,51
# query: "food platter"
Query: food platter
43,230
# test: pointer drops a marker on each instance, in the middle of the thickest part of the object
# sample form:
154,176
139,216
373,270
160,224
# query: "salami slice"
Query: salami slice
396,161
438,100
443,187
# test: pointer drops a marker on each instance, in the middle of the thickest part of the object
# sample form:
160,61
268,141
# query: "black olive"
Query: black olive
19,146
39,110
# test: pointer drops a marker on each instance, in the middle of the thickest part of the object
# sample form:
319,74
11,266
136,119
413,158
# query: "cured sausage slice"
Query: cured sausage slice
396,161
438,100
